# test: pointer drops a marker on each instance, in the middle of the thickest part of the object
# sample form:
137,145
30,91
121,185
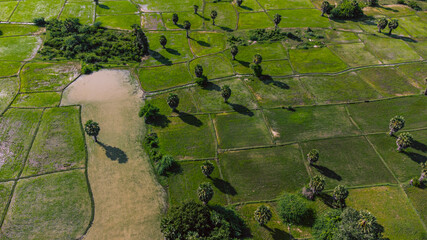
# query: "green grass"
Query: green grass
279,92
187,137
183,185
278,4
83,11
44,99
417,197
414,26
209,99
375,116
17,48
388,81
341,37
115,7
29,9
17,128
416,71
420,48
55,206
9,87
268,51
168,6
15,29
38,76
276,68
346,25
214,66
255,20
7,9
389,50
298,18
405,165
226,19
315,60
307,123
248,6
263,174
354,54
396,10
176,50
392,210
346,87
187,102
121,22
195,20
204,43
370,26
348,161
157,78
59,144
152,21
5,191
244,129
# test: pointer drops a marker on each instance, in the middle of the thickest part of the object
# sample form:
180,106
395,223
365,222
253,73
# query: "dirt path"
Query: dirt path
128,200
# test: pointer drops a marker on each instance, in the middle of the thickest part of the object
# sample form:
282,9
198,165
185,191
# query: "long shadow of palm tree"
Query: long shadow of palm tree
190,119
114,153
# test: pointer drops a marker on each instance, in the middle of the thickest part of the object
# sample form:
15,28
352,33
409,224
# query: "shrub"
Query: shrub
165,164
266,35
294,210
326,225
347,9
39,22
236,41
415,182
149,112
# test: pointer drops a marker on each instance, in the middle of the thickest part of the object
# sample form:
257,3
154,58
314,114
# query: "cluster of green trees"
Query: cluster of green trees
161,163
92,43
346,9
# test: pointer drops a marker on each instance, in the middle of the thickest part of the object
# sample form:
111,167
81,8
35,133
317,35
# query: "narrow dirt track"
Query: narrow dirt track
128,200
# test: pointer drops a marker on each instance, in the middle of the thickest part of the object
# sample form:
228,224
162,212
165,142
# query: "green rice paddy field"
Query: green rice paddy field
337,97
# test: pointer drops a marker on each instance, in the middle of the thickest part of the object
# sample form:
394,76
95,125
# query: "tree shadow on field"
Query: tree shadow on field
246,8
103,6
244,63
203,43
114,153
416,157
212,87
419,146
267,80
227,29
327,199
406,39
173,51
278,234
159,57
190,119
327,172
160,120
224,186
241,109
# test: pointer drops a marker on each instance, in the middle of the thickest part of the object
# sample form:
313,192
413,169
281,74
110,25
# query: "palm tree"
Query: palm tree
325,7
313,156
317,184
173,101
205,192
404,141
195,7
187,26
225,92
239,2
92,129
163,41
207,168
393,24
396,123
234,50
175,18
382,23
277,19
367,222
340,194
214,14
263,214
257,59
198,70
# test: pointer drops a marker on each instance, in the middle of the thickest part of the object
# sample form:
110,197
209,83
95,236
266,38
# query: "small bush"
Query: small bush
294,210
166,164
39,22
236,41
266,35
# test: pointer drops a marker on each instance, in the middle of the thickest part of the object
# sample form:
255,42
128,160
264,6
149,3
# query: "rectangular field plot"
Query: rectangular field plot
264,174
8,89
183,185
248,6
279,92
354,54
375,116
276,68
298,18
389,50
405,165
157,78
176,49
341,36
59,143
196,20
168,6
29,9
370,26
6,10
255,20
152,21
420,47
17,128
187,102
115,7
268,51
15,29
414,26
388,81
54,206
416,71
348,161
392,210
244,129
18,48
315,60
5,191
214,66
209,99
346,87
83,11
48,76
284,4
42,99
417,197
308,123
203,43
226,19
182,137
121,22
